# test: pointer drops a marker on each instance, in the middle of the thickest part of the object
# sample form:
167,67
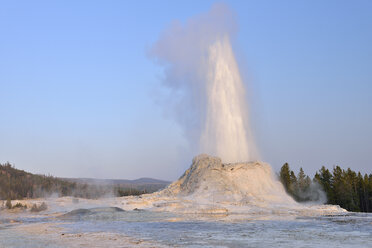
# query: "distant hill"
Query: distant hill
150,180
18,184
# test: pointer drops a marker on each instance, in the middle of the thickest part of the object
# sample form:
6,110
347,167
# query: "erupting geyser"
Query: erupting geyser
207,98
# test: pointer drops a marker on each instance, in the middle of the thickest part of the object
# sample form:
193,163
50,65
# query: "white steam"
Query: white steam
207,95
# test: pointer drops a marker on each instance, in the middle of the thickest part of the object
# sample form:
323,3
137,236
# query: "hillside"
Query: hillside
18,184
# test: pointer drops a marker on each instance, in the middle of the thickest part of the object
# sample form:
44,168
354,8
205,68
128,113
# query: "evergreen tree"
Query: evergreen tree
362,192
307,183
351,181
293,189
326,180
285,176
302,181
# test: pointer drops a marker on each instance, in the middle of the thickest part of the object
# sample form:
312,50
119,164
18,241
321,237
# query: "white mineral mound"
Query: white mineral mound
246,183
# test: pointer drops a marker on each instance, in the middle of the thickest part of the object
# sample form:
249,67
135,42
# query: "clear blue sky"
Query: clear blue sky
77,87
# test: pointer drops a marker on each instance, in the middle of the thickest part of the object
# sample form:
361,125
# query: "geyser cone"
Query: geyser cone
250,183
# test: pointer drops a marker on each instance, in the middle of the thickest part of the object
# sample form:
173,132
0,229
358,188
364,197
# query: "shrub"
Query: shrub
19,205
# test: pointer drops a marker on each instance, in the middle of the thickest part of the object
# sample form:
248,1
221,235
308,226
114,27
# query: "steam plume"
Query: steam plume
207,95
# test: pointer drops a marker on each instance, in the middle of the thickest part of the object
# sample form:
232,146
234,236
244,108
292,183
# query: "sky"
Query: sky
79,90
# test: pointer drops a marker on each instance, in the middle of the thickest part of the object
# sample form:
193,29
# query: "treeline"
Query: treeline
18,184
346,188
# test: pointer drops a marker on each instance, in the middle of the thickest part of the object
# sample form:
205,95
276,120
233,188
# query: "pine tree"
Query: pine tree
301,181
285,176
326,181
293,189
